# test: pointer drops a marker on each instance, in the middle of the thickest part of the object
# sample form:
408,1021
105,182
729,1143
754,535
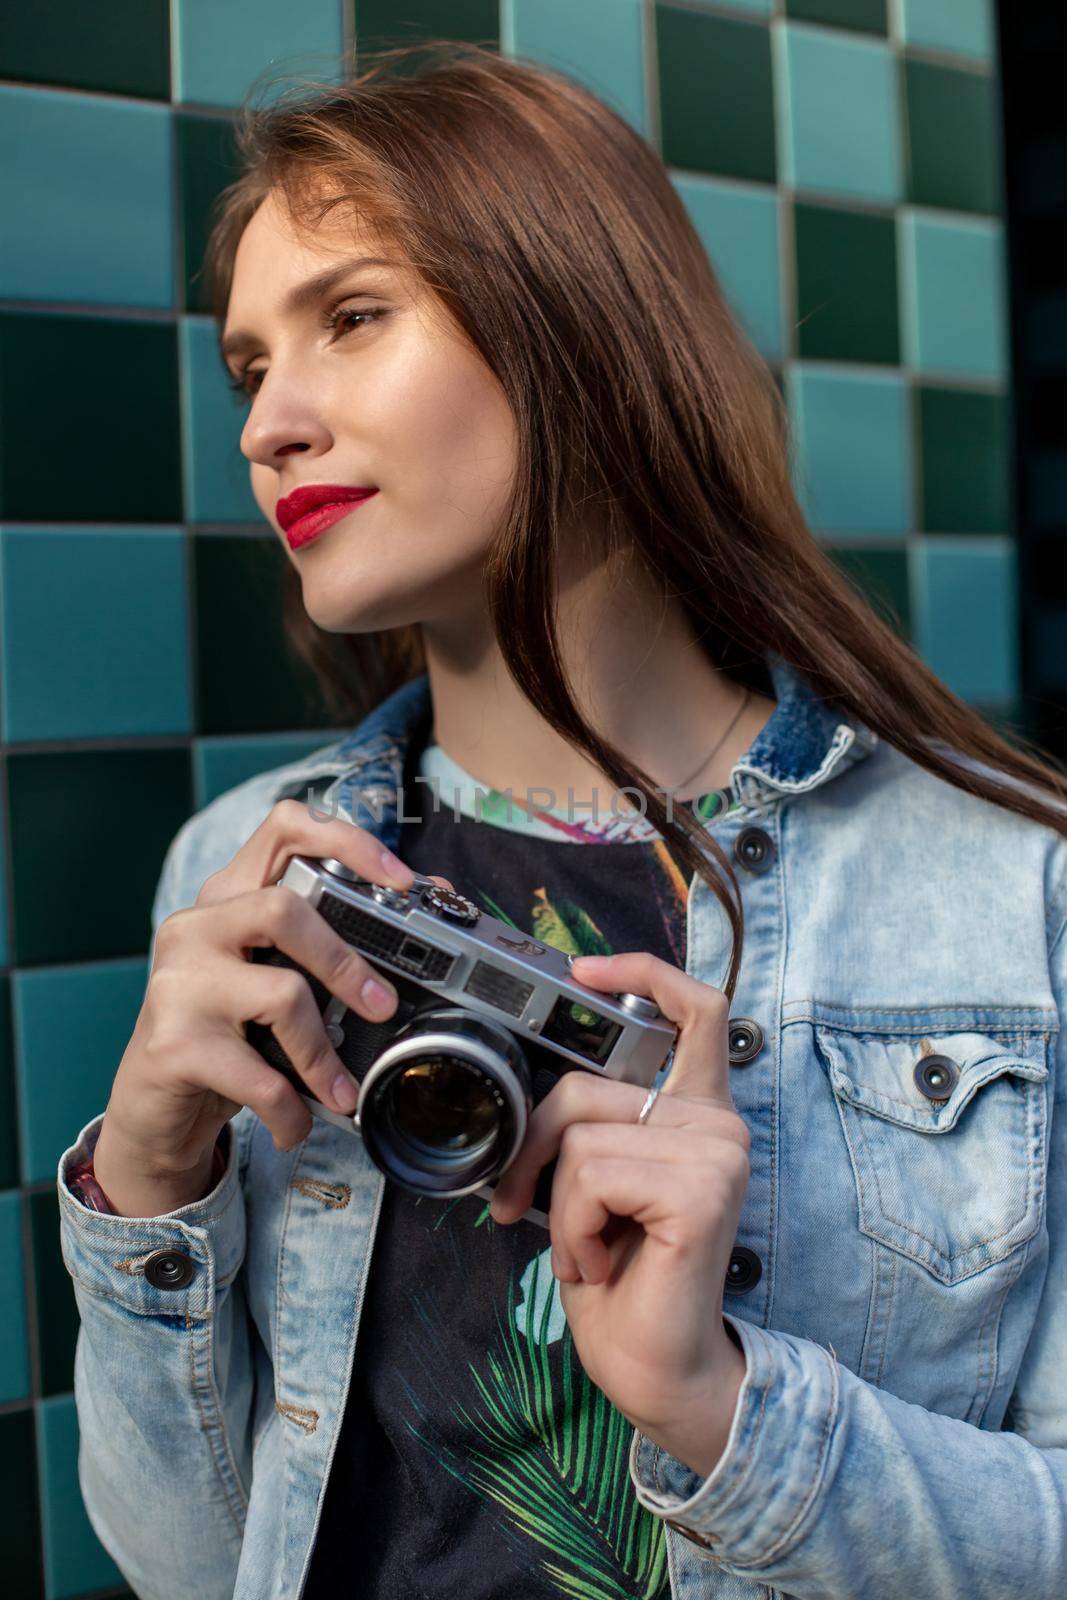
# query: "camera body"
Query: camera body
488,1019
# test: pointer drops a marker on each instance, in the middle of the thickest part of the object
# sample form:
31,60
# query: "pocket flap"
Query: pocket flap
878,1073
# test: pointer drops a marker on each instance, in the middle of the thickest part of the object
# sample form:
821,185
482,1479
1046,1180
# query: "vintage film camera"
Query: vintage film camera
488,1019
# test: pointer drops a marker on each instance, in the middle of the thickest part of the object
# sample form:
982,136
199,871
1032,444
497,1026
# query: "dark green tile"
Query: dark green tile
9,1147
881,576
952,138
89,829
964,440
249,681
57,1309
116,384
868,15
20,1523
207,162
716,98
846,285
384,23
123,46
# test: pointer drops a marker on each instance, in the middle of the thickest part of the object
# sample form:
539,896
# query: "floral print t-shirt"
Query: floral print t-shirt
476,1461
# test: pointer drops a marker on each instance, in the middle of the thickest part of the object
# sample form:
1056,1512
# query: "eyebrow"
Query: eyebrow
303,296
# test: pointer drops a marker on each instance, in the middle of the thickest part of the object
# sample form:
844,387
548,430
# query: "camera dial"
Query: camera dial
451,905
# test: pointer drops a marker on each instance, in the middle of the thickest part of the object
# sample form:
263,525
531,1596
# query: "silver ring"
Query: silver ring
650,1100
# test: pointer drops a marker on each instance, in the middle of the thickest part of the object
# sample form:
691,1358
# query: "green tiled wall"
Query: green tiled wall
841,161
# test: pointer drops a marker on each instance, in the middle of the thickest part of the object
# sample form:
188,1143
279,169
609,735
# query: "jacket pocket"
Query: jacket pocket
952,1174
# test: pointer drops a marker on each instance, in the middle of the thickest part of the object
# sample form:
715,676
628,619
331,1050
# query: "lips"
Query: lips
306,528
311,497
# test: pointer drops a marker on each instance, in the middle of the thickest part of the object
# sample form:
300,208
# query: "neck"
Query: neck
639,676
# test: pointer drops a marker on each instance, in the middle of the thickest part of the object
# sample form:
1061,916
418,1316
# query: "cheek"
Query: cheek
264,490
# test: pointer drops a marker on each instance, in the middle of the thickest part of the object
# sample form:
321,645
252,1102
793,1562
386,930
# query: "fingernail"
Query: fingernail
376,994
592,961
394,867
345,1092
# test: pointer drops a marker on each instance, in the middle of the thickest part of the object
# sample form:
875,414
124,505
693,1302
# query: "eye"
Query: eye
347,316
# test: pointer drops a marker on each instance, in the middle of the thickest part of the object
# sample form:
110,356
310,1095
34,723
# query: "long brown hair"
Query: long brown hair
552,232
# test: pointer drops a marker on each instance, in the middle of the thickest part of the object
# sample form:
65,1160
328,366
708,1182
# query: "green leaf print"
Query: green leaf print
566,925
559,1474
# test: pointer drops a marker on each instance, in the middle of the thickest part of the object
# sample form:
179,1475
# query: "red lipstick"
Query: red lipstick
313,507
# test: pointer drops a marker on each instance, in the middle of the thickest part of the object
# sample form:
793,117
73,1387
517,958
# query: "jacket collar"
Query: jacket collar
804,742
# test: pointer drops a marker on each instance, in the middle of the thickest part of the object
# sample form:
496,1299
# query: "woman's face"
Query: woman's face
398,400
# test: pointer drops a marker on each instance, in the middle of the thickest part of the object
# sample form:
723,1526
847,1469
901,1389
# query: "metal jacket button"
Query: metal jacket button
744,1272
754,848
169,1269
746,1040
936,1076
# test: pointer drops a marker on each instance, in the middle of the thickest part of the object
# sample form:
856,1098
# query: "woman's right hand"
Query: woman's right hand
188,1067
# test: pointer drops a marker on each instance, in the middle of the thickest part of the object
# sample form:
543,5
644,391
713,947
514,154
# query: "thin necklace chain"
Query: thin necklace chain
718,743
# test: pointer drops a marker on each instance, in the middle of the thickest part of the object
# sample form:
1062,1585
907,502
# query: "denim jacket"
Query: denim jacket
902,1300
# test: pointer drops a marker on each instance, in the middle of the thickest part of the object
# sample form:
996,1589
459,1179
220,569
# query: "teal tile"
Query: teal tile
100,1003
122,47
598,42
5,948
121,462
113,199
1046,476
840,113
881,576
392,22
94,633
967,615
846,285
19,1510
207,160
738,226
953,138
220,764
249,679
715,92
75,1561
217,482
946,331
867,15
57,1309
222,49
73,815
964,27
966,454
9,1141
852,465
14,1346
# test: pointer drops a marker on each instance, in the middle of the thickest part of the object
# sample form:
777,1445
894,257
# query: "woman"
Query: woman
812,1284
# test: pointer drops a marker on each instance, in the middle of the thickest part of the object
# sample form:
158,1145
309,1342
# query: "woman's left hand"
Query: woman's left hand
643,1218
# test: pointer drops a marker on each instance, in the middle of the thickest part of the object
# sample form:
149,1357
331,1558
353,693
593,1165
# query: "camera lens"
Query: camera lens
443,1109
445,1104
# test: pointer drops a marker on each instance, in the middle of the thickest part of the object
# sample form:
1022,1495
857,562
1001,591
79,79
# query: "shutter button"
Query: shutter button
746,1041
169,1269
936,1076
754,848
744,1272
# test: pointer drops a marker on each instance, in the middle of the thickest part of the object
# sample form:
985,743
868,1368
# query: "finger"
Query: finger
610,1186
701,1064
290,828
278,918
280,999
588,1141
233,1069
578,1097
